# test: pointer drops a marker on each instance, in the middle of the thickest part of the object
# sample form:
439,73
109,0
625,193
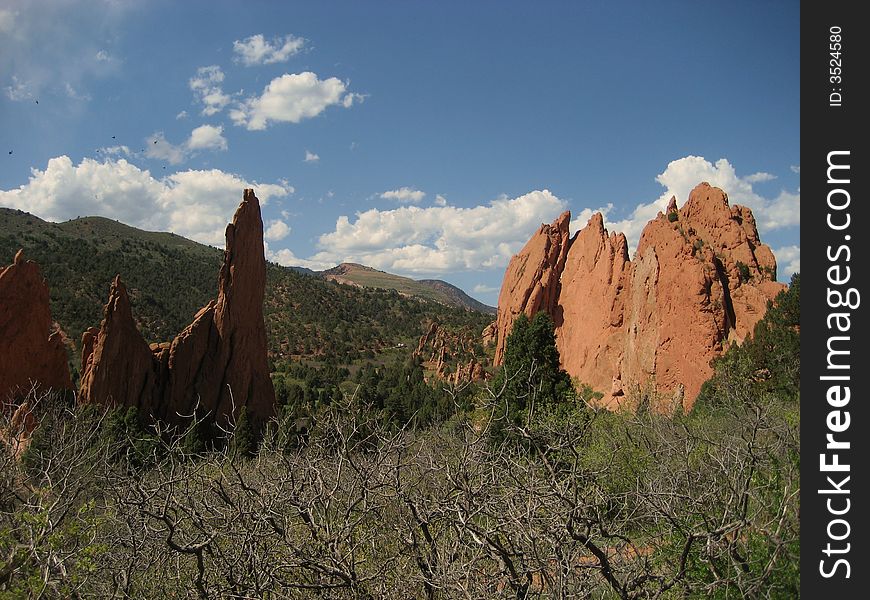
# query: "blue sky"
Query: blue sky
426,139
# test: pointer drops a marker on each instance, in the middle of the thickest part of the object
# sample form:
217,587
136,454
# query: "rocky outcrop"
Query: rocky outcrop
217,365
531,282
31,345
449,354
700,279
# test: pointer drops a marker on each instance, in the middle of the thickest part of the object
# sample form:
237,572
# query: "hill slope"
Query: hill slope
429,289
170,278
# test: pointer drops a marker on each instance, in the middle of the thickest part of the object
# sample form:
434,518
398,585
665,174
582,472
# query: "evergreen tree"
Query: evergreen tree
530,375
769,361
244,442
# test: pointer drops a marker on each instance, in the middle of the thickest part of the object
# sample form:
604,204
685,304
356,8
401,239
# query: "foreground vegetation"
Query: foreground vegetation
521,492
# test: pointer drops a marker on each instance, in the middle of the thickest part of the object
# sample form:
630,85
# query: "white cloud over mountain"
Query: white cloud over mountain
680,176
439,239
196,204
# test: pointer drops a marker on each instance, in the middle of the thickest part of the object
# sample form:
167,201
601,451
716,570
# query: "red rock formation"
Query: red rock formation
218,362
118,368
31,346
700,279
531,282
438,348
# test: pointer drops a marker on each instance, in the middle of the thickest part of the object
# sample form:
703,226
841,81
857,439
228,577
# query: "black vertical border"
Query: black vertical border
826,128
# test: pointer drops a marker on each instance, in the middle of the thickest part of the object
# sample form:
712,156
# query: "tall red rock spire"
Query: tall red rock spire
31,346
218,363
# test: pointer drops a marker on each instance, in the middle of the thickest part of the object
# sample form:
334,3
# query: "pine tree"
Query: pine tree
244,442
530,375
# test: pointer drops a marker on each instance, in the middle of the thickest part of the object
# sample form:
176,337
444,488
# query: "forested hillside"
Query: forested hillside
170,278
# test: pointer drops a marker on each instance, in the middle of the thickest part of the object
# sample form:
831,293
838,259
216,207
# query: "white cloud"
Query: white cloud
581,219
207,137
7,20
481,288
181,115
795,169
195,204
415,240
206,86
788,260
760,177
19,90
286,258
48,48
683,174
75,94
440,200
276,230
204,137
290,99
116,151
157,147
404,195
256,50
311,156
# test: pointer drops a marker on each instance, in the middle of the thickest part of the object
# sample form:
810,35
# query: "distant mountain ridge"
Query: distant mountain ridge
430,289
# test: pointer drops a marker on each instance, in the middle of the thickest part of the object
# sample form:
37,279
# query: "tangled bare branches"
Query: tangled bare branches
571,505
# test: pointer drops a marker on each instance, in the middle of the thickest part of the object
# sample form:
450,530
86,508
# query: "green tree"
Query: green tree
244,442
530,376
769,360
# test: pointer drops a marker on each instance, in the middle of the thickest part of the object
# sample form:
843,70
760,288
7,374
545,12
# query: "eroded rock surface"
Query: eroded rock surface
31,345
217,364
700,279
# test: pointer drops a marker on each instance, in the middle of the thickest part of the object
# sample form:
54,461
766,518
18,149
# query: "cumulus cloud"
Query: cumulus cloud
257,50
206,86
276,230
195,204
290,99
287,258
788,260
404,195
207,137
204,137
437,239
680,176
311,156
440,200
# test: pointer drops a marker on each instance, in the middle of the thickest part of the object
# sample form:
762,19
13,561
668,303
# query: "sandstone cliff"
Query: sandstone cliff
700,279
31,346
218,362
